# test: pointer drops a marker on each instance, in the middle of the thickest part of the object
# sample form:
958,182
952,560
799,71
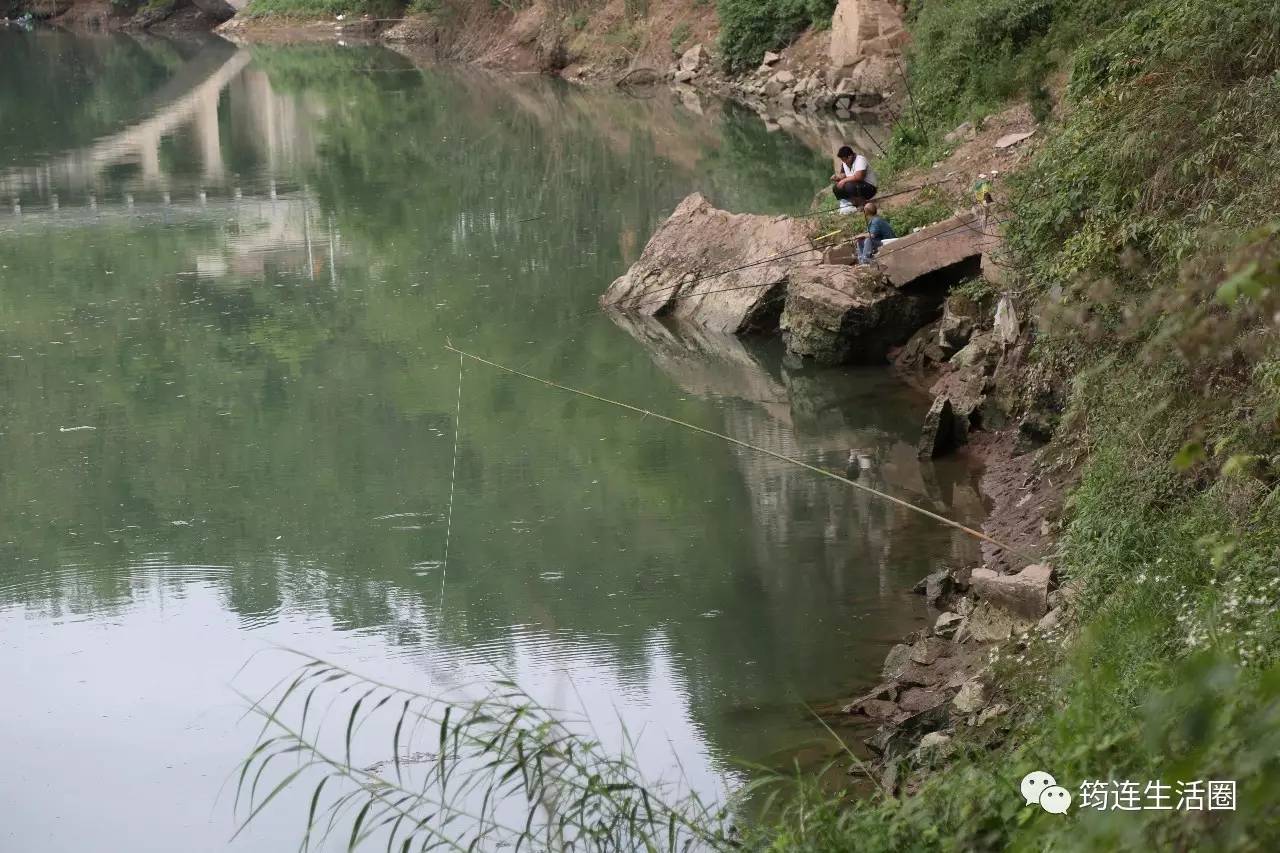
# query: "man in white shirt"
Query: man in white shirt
855,181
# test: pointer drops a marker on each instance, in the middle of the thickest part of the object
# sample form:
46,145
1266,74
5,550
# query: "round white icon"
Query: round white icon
1034,784
1055,799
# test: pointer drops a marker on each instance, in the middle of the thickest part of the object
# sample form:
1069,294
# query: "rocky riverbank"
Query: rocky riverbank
917,310
851,71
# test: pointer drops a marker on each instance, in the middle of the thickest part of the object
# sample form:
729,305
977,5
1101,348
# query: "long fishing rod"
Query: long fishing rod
747,445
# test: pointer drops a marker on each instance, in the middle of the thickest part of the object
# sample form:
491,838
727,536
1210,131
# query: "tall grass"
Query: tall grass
501,772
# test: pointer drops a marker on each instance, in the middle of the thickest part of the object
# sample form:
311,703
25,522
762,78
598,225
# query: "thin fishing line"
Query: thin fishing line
453,482
705,431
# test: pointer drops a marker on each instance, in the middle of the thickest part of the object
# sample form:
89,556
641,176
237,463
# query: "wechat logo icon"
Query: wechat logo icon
1040,787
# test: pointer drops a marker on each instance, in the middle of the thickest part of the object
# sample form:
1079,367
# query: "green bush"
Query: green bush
748,28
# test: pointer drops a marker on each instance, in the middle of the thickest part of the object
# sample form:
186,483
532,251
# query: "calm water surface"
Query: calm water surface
226,279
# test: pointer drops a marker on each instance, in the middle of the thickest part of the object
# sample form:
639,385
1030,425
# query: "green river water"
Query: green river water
227,421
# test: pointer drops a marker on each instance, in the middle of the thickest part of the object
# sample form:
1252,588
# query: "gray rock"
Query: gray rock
928,650
771,58
990,624
948,624
921,353
916,699
972,697
991,713
938,588
779,83
890,778
981,352
1034,431
961,132
886,693
935,674
894,662
899,738
1050,620
966,388
876,709
933,746
684,76
1067,594
1011,139
693,59
960,315
219,10
939,433
1025,594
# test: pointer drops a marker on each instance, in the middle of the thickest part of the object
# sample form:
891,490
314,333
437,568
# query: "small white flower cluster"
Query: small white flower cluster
1242,604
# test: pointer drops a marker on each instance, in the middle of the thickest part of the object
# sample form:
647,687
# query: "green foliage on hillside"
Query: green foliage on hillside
327,8
748,28
969,57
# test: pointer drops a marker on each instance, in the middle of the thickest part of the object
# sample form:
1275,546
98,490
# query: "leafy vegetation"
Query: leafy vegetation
970,57
1137,228
748,28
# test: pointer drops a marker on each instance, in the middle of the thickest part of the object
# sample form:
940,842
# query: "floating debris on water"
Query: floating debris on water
75,428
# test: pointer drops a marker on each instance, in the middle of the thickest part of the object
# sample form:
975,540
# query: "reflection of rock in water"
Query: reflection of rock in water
821,417
707,363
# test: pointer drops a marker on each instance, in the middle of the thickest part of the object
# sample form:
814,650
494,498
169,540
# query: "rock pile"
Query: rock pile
940,678
863,68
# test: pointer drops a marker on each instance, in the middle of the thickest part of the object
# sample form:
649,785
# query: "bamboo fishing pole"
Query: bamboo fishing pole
977,534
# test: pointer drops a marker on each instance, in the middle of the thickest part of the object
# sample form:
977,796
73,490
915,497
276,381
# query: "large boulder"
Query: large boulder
725,271
693,59
865,28
843,315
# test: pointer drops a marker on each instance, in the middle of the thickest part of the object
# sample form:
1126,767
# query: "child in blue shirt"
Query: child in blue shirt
878,230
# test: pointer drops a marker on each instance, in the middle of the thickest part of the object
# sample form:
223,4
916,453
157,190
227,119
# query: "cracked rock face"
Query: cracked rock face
861,29
699,267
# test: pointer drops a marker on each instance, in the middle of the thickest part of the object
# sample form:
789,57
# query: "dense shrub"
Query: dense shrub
748,28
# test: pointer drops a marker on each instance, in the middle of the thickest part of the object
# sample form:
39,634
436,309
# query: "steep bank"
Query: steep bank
1142,267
